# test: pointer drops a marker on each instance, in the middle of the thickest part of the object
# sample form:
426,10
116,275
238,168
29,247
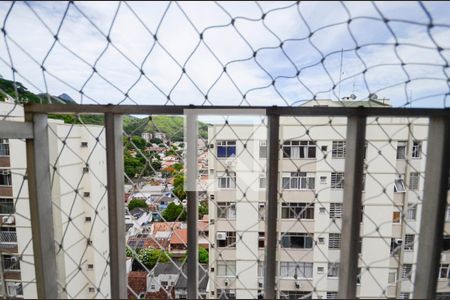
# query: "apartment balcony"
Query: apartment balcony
51,246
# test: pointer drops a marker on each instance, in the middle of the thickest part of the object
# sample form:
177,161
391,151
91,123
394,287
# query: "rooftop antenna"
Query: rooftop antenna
340,74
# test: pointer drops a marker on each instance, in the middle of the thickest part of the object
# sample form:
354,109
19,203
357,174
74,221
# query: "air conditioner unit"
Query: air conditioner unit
260,284
8,220
221,236
211,221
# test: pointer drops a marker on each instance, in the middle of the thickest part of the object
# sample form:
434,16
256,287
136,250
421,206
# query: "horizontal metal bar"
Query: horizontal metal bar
16,130
270,110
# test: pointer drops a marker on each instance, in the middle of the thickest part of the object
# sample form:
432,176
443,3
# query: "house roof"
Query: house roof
137,281
202,276
165,226
179,237
166,268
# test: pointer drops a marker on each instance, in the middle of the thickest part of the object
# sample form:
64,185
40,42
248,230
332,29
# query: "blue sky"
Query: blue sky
305,66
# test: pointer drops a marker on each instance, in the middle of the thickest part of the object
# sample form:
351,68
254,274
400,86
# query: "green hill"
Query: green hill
172,126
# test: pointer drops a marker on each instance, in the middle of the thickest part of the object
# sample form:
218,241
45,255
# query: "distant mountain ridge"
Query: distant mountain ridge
17,92
172,126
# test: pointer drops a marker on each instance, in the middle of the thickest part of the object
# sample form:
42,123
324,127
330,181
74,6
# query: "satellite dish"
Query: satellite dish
353,96
373,96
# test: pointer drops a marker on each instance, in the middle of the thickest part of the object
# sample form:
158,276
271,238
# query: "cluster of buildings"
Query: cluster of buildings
311,177
311,165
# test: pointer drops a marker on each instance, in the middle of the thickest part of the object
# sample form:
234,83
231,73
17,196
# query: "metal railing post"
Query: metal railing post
116,219
433,208
192,205
354,166
270,251
39,189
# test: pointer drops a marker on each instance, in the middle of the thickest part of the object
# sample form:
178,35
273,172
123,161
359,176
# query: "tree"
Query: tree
137,203
178,186
202,210
178,166
203,255
174,212
150,257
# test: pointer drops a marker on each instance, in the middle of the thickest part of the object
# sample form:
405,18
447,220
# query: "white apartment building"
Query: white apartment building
311,170
79,211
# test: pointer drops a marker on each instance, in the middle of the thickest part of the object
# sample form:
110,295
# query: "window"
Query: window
5,177
226,149
401,149
298,181
296,269
297,240
404,295
90,266
226,210
392,278
8,235
447,217
414,180
87,219
297,210
91,290
84,144
86,194
226,294
11,263
334,241
406,271
295,295
335,210
333,269
337,180
396,217
338,149
260,268
395,246
446,243
323,179
4,147
226,268
399,186
164,283
226,239
262,181
444,270
261,210
262,149
409,242
7,206
331,295
299,149
417,149
226,181
261,239
411,212
14,289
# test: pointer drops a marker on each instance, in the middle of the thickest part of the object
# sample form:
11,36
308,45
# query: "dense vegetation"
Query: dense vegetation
137,203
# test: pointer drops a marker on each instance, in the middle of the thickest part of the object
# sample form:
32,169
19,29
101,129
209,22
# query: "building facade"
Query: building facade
311,175
78,179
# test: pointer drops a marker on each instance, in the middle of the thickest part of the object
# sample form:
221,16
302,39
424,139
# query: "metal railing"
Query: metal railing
34,130
9,237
